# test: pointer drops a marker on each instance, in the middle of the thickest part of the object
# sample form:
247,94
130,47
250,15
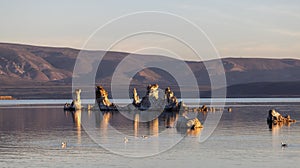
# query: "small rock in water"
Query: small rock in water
63,145
229,109
283,145
144,136
125,139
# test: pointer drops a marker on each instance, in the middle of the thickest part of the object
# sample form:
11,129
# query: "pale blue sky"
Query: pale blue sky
246,28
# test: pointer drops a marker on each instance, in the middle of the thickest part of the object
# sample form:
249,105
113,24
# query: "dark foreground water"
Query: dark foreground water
31,136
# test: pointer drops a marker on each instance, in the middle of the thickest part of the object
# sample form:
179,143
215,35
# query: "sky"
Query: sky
237,28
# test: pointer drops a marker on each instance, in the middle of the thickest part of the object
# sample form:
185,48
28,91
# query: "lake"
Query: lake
31,135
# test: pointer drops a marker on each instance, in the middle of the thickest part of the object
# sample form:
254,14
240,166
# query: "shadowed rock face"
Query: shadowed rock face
103,101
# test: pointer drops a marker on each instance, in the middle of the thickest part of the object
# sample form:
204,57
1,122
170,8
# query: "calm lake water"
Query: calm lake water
31,136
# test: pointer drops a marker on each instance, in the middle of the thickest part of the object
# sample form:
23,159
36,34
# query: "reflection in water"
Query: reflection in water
76,116
154,127
275,128
33,135
170,120
66,113
136,124
189,131
98,118
89,112
194,132
136,127
104,121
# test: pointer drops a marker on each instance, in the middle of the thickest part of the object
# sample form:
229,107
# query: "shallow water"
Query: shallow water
32,136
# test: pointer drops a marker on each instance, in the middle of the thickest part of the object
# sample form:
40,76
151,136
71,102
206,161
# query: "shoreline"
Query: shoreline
7,98
206,101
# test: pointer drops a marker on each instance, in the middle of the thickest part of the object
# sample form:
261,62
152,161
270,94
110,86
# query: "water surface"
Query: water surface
31,136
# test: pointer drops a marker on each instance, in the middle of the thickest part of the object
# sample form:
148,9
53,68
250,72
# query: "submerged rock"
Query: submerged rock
185,122
103,101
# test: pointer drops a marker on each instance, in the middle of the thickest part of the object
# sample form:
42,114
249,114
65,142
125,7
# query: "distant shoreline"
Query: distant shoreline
218,103
245,77
6,98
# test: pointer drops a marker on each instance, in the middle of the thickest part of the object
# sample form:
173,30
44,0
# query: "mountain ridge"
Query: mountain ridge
28,65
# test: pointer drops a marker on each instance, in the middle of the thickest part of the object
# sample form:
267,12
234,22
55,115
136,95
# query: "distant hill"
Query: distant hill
46,72
265,89
40,64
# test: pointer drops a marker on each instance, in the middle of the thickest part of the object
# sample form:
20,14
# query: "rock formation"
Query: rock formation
136,98
171,100
185,122
76,103
275,117
135,103
156,99
103,101
204,109
153,99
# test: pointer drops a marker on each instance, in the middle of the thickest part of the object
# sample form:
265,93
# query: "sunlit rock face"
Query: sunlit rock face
103,101
185,122
77,101
275,117
136,98
194,123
